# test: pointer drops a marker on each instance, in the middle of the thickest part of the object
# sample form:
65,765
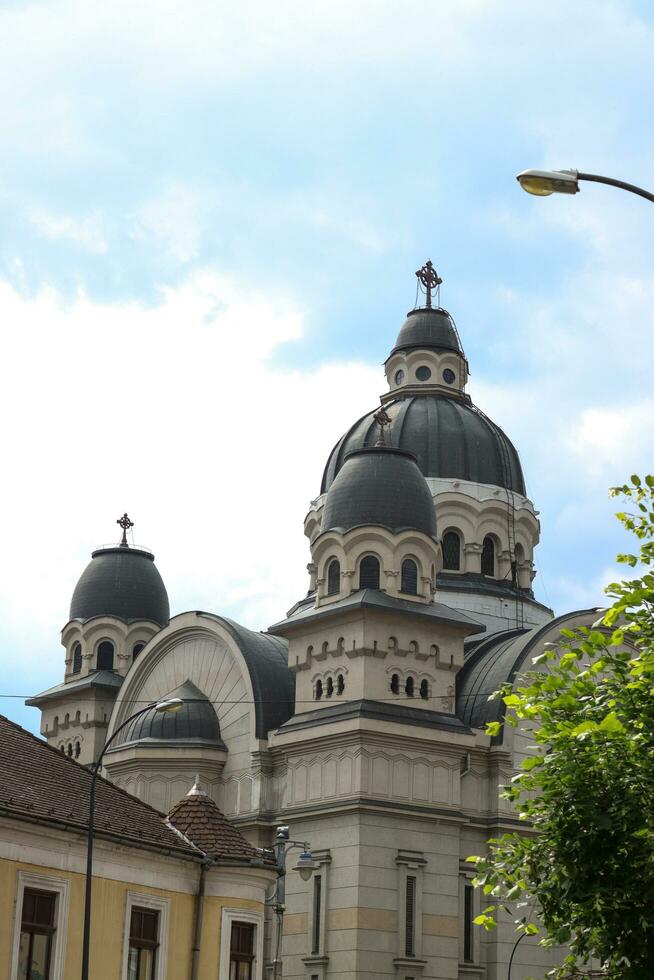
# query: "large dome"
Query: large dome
380,486
122,582
450,438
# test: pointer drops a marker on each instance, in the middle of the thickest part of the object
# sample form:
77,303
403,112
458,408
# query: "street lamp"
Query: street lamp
170,705
542,183
305,866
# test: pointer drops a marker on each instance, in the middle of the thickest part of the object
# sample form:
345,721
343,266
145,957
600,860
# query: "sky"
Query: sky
210,219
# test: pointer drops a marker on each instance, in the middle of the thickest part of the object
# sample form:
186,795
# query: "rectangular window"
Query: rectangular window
36,934
241,953
468,916
143,944
315,917
410,917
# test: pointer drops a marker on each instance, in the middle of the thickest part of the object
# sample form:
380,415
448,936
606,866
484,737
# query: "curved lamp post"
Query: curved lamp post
170,705
542,183
305,866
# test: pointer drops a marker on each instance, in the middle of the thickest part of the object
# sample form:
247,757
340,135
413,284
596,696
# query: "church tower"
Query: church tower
119,603
487,525
374,750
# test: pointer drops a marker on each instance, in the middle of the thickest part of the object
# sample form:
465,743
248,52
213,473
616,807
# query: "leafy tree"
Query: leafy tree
587,788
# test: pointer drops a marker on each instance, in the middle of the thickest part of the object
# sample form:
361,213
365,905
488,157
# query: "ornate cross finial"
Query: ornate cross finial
429,279
125,523
382,418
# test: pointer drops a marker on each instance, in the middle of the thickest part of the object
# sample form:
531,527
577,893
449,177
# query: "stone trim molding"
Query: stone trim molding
61,887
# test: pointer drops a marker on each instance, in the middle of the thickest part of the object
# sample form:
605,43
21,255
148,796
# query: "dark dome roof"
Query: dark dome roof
195,721
428,329
448,435
122,582
381,486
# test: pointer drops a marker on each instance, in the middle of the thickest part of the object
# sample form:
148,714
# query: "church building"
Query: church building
358,719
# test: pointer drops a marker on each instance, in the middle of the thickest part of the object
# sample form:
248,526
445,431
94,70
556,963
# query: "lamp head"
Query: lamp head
542,183
169,706
305,865
282,834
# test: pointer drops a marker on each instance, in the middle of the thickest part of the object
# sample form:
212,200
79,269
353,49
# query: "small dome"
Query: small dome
122,582
450,438
380,486
428,329
196,721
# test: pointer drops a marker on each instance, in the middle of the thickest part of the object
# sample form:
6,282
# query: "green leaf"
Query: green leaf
612,724
493,728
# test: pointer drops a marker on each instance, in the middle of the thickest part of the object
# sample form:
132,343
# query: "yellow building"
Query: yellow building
177,897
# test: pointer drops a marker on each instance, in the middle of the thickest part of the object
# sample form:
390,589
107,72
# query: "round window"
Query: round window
423,373
449,376
399,377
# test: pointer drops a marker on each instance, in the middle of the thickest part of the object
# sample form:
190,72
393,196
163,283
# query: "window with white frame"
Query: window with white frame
241,945
145,950
410,865
39,927
317,912
468,905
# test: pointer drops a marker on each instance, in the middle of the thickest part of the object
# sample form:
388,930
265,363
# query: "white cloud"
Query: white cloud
607,437
174,413
85,231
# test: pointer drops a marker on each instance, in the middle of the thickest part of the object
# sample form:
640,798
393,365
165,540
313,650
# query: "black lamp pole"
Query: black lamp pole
515,946
617,183
89,843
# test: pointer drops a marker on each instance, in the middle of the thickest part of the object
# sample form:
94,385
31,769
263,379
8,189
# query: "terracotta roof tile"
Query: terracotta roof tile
37,781
201,821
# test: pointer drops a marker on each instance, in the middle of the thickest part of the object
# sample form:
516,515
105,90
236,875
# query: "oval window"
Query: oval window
423,373
449,376
399,377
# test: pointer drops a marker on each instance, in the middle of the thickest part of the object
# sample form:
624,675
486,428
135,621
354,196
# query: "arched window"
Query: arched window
318,690
136,649
333,577
409,577
340,684
409,687
77,658
424,690
330,686
106,655
369,573
395,684
488,556
66,719
451,551
78,749
69,750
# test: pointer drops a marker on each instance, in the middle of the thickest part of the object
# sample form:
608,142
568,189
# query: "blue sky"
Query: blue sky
209,223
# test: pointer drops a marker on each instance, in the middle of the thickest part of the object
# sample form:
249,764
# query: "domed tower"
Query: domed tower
487,526
118,604
371,629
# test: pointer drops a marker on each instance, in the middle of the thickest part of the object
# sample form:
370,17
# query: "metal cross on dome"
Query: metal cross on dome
382,418
125,523
429,278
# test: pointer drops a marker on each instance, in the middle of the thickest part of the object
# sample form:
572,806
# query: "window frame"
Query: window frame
248,917
160,905
404,577
362,559
60,887
100,644
493,542
456,533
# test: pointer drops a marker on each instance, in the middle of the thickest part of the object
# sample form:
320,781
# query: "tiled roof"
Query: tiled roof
199,819
39,782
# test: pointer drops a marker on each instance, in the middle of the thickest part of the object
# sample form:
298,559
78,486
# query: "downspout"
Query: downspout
199,910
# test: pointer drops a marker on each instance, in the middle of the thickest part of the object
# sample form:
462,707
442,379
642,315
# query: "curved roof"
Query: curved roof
448,435
273,684
495,661
427,329
380,486
195,721
122,582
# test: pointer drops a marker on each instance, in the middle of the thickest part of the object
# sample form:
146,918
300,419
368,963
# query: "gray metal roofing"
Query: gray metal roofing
427,329
448,435
402,714
273,684
380,486
437,612
122,582
194,722
492,662
106,679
